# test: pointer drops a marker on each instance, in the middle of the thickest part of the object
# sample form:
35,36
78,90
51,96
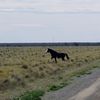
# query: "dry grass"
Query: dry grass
31,68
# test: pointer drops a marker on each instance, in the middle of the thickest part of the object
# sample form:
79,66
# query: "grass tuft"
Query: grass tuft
32,95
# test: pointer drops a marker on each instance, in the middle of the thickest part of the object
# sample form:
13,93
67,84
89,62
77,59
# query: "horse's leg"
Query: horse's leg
63,58
55,60
67,56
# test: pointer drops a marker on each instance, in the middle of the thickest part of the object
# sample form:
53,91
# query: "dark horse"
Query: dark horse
55,55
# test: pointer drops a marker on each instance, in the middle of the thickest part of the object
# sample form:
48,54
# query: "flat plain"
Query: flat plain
31,68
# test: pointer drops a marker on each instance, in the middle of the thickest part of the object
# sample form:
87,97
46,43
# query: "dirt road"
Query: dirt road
85,88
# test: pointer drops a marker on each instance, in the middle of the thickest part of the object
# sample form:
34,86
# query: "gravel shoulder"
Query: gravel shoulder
84,88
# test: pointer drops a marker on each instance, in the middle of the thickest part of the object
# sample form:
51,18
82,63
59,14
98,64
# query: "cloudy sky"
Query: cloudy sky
49,20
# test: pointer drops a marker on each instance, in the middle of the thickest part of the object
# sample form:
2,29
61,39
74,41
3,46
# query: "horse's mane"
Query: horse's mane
52,50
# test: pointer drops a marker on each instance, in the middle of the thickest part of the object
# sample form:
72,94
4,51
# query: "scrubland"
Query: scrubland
31,68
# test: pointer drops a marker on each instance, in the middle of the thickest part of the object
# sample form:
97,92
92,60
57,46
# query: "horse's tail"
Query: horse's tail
67,56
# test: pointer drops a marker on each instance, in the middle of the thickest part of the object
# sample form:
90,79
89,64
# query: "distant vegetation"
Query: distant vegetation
50,44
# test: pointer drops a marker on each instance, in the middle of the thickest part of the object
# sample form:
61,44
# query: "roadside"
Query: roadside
83,88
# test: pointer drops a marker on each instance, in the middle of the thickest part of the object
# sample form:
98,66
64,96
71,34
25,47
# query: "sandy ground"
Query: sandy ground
84,88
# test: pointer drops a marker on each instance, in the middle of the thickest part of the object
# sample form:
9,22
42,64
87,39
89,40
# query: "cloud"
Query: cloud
35,25
50,5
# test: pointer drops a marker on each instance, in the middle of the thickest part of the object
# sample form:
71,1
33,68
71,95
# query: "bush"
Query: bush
25,67
32,95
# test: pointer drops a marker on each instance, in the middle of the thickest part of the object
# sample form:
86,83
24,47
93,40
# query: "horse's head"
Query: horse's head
48,50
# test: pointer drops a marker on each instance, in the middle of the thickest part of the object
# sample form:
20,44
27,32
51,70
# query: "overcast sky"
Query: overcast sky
49,20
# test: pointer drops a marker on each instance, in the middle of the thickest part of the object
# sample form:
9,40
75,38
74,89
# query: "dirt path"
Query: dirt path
85,88
87,92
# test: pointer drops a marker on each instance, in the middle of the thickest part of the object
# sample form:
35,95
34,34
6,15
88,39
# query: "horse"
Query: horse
55,55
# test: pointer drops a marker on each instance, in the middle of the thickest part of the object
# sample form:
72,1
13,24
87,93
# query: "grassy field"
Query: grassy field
30,68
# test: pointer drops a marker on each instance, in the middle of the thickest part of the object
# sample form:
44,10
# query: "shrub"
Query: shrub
32,95
25,67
